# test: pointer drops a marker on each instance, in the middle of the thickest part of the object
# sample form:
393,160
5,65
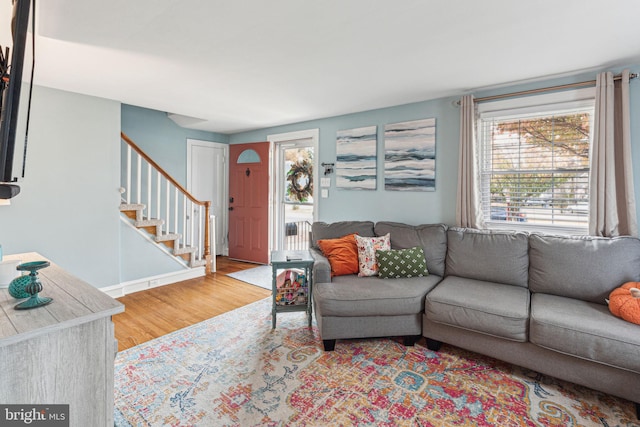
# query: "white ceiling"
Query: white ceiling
248,64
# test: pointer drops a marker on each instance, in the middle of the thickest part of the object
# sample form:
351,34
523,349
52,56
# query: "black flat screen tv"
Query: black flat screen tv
12,96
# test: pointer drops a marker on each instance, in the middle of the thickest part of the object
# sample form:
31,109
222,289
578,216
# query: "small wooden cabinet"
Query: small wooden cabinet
61,353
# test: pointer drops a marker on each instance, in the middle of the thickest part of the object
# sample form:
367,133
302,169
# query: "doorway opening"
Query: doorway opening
294,188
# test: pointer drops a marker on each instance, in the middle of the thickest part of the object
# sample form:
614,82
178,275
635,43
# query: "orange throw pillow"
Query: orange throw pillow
342,254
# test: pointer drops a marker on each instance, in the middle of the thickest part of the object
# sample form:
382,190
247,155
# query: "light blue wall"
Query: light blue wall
379,205
163,140
419,207
68,207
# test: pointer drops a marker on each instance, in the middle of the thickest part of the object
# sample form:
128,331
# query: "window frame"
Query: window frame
527,106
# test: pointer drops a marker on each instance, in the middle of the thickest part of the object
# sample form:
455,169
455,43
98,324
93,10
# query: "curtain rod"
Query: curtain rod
547,89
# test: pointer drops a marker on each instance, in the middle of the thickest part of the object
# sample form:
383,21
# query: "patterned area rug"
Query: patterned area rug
258,276
234,370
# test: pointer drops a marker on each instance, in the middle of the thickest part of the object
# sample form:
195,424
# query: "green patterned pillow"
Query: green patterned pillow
397,263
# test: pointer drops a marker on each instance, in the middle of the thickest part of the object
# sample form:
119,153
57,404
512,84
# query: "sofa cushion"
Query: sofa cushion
342,254
489,308
398,263
367,247
349,296
584,329
586,268
323,230
431,237
492,256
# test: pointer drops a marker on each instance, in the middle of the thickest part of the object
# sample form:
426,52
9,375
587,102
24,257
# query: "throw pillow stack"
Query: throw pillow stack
371,256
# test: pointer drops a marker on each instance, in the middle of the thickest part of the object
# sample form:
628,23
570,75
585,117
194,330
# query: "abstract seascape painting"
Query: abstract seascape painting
410,156
356,158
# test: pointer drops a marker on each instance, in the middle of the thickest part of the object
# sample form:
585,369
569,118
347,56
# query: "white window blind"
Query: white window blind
534,165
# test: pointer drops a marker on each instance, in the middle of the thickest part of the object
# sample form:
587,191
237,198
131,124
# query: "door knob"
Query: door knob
230,208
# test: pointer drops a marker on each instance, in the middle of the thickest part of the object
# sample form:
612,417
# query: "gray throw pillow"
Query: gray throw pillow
398,263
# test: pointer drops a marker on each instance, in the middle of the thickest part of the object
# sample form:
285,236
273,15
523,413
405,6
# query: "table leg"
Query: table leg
310,296
274,291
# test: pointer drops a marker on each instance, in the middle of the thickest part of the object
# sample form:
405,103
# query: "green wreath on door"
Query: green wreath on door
300,178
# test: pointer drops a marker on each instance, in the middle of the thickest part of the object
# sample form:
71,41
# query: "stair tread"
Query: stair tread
148,222
166,237
131,207
198,263
184,250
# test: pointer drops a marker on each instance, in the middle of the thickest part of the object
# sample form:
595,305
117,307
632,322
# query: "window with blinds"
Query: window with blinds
534,167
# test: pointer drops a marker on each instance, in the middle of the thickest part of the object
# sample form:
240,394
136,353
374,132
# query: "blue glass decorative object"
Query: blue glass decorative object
34,287
17,287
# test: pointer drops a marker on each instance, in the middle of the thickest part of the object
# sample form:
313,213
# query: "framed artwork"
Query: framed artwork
410,156
356,163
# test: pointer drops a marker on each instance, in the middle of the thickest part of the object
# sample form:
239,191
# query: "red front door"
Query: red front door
249,202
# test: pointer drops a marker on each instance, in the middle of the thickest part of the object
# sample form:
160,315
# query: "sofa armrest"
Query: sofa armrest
321,267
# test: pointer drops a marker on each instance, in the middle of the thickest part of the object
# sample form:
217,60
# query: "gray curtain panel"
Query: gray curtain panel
612,198
468,212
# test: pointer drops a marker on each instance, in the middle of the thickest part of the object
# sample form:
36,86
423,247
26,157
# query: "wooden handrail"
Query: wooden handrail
206,203
162,171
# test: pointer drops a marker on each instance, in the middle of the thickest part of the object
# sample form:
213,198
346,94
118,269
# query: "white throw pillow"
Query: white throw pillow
367,247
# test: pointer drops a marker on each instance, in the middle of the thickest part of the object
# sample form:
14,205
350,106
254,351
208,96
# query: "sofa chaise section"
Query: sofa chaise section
370,307
349,306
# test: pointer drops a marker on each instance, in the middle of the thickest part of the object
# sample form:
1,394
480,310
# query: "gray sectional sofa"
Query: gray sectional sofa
534,300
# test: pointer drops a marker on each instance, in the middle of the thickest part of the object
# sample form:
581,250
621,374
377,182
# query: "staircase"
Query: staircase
171,216
153,227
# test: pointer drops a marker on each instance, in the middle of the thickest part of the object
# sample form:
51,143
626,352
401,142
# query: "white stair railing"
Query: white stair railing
146,183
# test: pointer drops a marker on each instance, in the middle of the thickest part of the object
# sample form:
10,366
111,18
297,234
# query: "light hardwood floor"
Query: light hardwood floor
159,311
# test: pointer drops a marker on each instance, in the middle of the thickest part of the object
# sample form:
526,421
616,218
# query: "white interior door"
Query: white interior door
207,180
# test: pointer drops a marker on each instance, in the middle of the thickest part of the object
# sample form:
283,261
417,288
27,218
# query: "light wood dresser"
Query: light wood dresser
61,353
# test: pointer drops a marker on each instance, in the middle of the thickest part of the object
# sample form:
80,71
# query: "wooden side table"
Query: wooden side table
288,260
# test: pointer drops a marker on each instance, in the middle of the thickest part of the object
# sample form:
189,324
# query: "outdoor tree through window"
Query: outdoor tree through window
535,168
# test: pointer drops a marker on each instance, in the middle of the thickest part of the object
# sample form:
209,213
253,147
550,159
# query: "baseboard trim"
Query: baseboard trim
143,284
